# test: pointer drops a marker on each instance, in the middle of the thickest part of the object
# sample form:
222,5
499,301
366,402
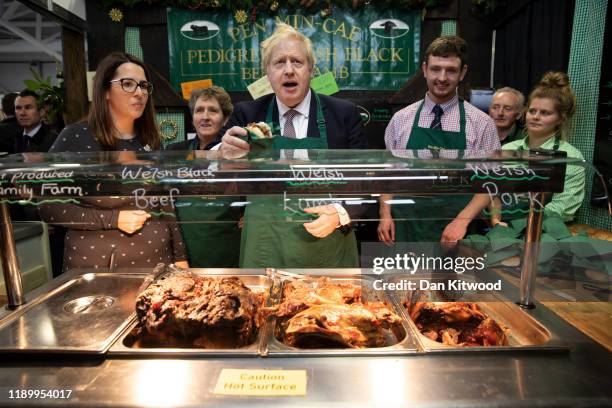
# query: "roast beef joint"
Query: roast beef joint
185,310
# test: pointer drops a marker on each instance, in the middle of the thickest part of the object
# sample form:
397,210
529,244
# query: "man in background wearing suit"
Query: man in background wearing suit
36,137
306,120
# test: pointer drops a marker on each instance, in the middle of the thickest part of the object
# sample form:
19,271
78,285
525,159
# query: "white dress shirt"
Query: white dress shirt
32,132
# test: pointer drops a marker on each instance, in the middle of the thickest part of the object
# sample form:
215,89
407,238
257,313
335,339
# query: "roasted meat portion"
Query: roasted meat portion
448,312
322,313
487,333
457,324
340,325
302,294
210,312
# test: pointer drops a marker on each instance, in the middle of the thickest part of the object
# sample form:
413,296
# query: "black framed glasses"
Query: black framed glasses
129,85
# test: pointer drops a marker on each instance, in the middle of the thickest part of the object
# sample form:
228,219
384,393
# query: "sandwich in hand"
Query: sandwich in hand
259,130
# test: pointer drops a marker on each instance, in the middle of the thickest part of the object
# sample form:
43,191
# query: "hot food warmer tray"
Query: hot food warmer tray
93,313
398,341
131,344
266,343
523,331
83,315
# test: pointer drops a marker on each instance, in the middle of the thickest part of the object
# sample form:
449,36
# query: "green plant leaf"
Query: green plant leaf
50,95
31,84
36,74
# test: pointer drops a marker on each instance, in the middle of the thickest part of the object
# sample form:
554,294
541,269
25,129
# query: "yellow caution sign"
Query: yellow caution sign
264,383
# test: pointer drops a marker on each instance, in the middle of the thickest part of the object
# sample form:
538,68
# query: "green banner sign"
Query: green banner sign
363,49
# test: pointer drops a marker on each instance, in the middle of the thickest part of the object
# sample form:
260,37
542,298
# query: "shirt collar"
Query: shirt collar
32,132
303,107
429,104
549,144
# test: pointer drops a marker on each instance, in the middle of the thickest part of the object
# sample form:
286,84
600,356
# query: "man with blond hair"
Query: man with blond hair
288,59
305,120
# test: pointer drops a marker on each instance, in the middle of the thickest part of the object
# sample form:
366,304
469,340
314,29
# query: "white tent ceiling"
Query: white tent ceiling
26,36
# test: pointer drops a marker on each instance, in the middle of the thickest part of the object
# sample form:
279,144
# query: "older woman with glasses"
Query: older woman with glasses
113,232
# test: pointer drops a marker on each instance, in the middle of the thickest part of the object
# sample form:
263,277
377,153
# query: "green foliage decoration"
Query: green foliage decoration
50,96
270,6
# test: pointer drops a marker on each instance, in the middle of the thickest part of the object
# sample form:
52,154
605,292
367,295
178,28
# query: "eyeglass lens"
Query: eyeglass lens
129,85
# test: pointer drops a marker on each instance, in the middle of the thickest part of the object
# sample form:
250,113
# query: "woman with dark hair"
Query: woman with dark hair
112,232
122,116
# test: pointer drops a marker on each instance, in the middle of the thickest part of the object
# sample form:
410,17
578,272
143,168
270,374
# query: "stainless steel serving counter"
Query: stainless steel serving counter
581,376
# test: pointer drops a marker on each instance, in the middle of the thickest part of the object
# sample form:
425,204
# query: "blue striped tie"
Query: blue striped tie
436,123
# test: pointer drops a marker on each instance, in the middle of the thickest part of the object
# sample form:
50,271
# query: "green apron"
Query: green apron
270,239
417,222
210,229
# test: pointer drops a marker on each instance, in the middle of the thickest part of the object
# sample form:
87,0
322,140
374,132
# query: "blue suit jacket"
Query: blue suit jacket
342,119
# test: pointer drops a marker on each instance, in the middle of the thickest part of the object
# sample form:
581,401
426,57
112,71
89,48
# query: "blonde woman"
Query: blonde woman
549,108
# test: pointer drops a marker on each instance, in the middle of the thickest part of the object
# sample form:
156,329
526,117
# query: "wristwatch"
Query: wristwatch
345,219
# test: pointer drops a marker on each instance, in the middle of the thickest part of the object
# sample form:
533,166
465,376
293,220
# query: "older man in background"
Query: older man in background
506,108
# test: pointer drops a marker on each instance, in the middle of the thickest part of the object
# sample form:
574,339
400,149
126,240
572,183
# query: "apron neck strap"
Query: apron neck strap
417,116
320,118
461,116
270,117
557,142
